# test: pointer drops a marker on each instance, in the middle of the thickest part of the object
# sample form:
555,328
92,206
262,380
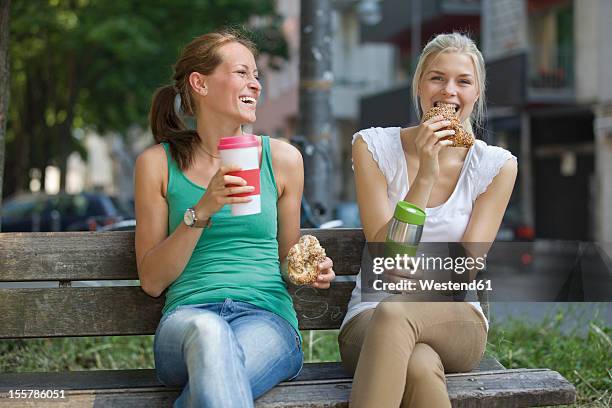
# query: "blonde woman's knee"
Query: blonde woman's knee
392,311
424,365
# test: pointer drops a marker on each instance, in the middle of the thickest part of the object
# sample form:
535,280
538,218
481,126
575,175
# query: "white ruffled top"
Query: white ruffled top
446,222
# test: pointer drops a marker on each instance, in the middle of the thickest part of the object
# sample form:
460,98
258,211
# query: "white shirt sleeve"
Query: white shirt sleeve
491,160
378,141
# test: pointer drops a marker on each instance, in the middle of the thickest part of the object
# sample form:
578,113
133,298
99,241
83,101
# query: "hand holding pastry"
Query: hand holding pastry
429,140
308,264
461,138
325,274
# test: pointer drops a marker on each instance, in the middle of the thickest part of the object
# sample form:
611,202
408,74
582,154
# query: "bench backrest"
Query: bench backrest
126,310
67,257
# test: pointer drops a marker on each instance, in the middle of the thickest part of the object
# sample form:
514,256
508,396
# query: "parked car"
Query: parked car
125,225
513,228
308,219
61,212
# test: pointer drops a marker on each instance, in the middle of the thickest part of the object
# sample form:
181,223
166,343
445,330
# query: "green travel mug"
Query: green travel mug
406,228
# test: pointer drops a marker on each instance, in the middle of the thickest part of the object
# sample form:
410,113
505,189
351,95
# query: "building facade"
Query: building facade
549,102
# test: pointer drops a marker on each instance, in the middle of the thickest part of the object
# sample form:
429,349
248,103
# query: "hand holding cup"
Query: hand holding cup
220,191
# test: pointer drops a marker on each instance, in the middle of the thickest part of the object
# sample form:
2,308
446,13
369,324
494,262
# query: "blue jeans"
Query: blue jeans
225,354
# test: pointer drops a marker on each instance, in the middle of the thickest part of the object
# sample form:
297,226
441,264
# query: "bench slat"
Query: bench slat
134,379
509,388
320,309
43,256
513,388
146,378
127,310
46,256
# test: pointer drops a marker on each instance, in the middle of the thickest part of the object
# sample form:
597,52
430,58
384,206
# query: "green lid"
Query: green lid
409,213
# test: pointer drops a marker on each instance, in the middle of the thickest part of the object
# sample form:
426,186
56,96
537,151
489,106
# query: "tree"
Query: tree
5,6
94,63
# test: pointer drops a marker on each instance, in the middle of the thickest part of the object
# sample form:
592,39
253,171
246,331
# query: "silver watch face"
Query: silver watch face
189,217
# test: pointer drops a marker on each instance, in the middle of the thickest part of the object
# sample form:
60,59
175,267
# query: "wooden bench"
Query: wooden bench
126,310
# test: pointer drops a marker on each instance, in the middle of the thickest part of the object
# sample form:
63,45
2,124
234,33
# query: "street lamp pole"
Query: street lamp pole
315,115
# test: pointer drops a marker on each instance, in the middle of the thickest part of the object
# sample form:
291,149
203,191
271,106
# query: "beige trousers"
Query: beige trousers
400,351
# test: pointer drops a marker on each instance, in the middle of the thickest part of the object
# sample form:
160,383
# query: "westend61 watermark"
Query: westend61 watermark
503,271
405,262
404,273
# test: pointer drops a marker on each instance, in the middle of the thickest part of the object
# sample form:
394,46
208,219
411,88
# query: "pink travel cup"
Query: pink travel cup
243,151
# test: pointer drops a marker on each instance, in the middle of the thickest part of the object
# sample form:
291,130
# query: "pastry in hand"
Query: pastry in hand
304,259
461,138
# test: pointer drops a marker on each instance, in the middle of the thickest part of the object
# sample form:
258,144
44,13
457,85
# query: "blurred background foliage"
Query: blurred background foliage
96,63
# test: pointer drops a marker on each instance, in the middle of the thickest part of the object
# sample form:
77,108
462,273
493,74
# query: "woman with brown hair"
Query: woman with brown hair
399,350
229,332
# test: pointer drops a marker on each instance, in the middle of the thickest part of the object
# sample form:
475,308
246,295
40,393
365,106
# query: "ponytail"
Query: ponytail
200,55
167,126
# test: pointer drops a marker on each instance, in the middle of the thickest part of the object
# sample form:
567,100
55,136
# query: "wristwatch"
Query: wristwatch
191,220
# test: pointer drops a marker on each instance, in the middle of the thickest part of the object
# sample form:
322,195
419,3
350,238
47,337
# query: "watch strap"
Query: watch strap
203,223
206,223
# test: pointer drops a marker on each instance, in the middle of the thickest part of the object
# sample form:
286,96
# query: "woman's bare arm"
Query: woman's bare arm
160,258
289,175
371,189
488,212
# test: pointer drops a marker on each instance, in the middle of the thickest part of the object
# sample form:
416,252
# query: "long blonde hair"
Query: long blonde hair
454,42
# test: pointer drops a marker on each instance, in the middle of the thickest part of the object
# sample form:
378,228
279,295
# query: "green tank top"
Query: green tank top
237,257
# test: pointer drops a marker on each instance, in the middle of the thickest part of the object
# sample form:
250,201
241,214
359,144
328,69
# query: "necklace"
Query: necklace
209,153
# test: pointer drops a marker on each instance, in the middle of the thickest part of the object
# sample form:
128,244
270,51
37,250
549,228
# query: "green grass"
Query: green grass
320,345
585,360
76,353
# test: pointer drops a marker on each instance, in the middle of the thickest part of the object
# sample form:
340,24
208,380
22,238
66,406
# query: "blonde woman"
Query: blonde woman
399,351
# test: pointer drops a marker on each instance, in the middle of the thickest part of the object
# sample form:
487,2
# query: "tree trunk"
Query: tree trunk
65,129
29,122
5,85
